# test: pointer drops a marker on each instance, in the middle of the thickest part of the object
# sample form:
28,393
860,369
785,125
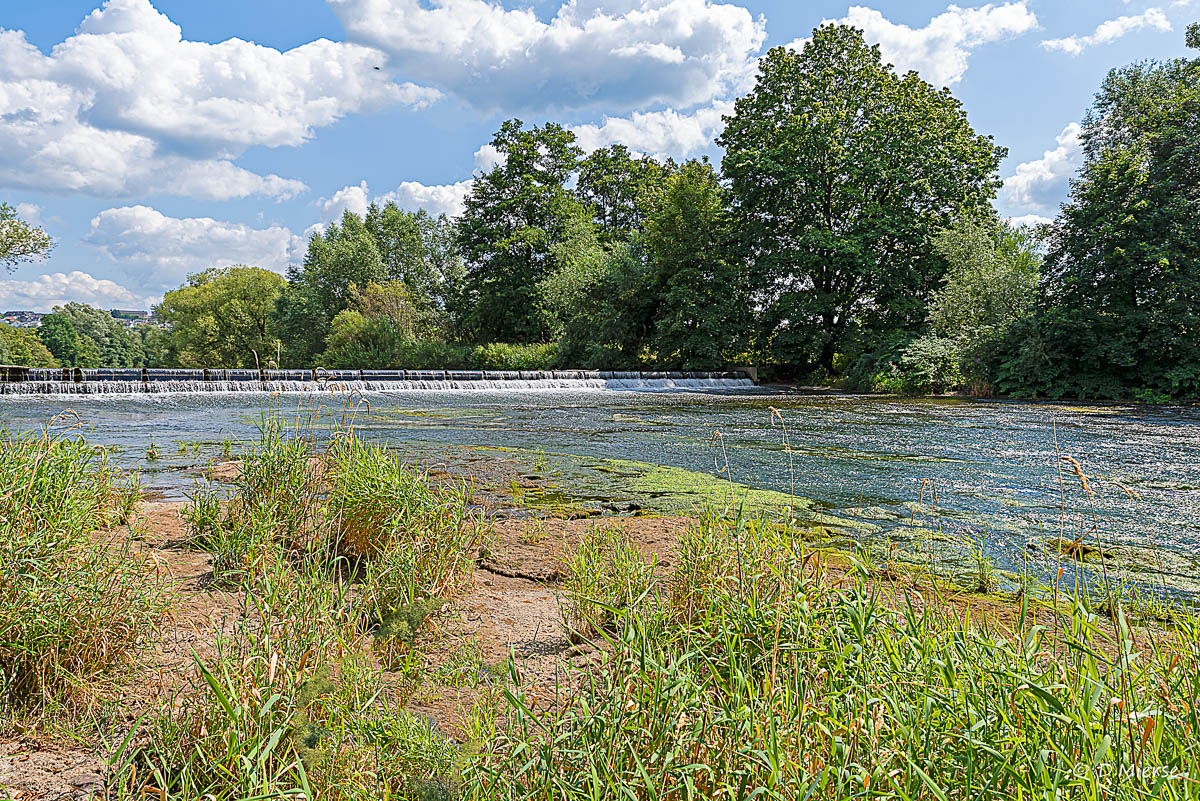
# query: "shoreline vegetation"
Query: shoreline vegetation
848,236
323,620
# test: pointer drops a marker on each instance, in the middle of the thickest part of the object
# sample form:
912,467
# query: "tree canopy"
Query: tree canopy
221,317
20,241
1120,303
515,214
841,173
22,346
115,345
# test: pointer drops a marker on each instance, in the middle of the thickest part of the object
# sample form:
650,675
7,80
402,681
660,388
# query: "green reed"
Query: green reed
766,678
74,600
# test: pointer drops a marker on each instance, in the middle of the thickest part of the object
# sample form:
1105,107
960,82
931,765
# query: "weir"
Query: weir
119,381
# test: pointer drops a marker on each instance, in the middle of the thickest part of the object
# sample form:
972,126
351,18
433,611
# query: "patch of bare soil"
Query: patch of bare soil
511,610
30,769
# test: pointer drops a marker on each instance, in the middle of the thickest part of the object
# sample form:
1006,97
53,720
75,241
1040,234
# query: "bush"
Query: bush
73,602
502,356
878,370
931,364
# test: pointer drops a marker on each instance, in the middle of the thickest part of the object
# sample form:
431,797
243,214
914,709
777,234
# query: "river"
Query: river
871,461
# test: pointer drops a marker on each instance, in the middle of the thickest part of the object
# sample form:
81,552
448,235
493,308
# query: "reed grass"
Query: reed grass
74,600
341,552
768,678
603,573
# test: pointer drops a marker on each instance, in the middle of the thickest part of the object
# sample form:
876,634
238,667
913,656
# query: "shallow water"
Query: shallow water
866,459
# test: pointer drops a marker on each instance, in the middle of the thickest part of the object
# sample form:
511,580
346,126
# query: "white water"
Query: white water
346,387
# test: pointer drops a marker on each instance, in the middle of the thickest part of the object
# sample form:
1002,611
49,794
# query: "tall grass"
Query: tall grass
603,573
73,599
418,539
341,552
763,677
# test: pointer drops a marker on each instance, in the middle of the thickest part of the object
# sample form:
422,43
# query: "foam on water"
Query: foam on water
108,387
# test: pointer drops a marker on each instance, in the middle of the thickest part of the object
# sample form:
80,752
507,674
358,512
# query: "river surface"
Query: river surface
868,460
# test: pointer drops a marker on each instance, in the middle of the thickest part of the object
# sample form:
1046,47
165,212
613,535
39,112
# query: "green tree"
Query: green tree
418,250
703,313
991,282
342,256
20,241
619,189
990,287
60,338
515,214
87,352
1121,295
221,318
21,346
579,258
115,345
842,172
155,344
611,314
377,328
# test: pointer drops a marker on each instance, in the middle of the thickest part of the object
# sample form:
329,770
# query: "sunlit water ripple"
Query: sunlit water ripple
993,463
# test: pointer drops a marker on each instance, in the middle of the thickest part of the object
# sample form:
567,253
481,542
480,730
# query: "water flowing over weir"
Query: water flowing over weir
76,381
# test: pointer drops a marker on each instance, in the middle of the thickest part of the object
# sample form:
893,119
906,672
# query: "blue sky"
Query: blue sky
154,138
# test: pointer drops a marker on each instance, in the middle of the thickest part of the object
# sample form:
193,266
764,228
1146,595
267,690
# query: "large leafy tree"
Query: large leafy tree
841,173
21,346
702,313
611,311
989,290
515,214
1122,289
419,251
70,347
990,287
619,189
221,318
414,249
20,241
339,258
116,346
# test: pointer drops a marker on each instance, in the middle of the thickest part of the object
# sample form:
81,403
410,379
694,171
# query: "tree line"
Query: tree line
848,235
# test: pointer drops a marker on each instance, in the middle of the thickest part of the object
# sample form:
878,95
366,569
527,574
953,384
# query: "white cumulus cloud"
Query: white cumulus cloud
354,199
1041,184
1031,220
940,50
45,292
126,105
160,251
619,54
434,198
658,133
437,199
1111,30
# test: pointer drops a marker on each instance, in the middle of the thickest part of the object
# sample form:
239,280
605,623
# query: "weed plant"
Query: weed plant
603,573
765,677
74,600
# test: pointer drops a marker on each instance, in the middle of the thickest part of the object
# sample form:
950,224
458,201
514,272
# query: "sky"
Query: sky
155,138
